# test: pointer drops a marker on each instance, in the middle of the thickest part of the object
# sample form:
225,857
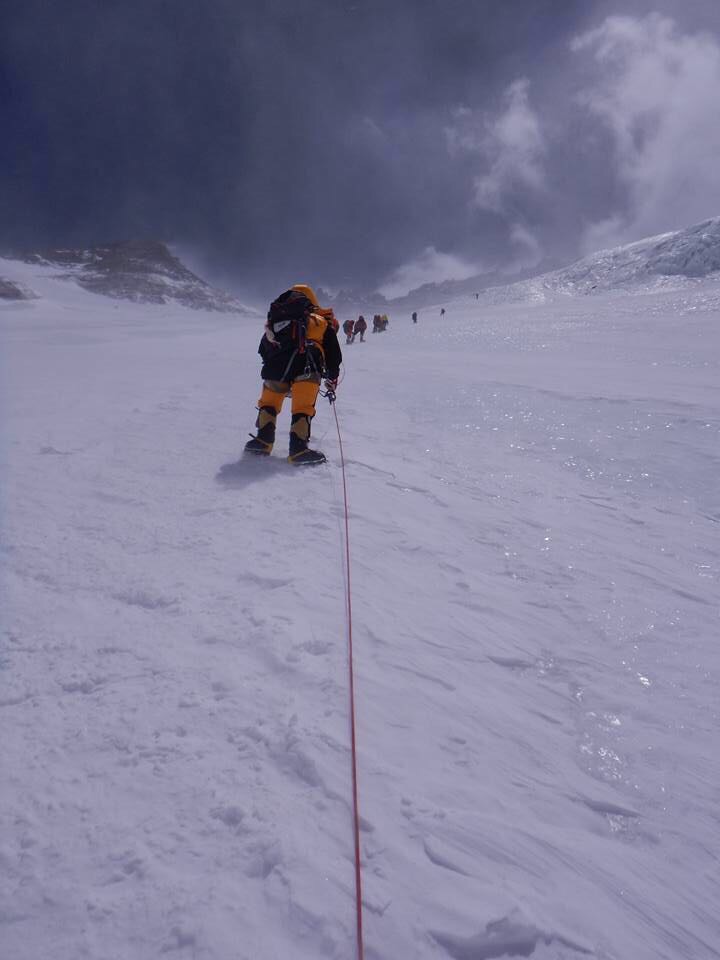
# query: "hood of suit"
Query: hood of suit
308,292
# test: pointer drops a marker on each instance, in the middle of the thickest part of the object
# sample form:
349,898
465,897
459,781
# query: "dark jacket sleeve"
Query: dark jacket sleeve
333,354
265,349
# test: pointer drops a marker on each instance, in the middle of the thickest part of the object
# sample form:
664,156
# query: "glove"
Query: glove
330,388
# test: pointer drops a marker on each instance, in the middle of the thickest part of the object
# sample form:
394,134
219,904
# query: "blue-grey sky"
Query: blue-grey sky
356,142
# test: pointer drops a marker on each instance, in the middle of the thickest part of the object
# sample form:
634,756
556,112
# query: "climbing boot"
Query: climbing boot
300,453
262,442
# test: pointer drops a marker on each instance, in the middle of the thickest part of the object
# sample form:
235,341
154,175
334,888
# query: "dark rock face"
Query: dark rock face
141,270
11,291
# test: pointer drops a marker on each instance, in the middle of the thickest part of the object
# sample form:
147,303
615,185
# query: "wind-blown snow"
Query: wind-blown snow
535,534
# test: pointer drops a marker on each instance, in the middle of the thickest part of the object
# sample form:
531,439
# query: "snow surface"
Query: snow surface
535,536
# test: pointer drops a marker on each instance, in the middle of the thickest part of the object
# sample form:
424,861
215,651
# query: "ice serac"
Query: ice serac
692,252
144,271
664,261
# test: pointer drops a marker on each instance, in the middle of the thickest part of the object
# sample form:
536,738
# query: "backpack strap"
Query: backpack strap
289,364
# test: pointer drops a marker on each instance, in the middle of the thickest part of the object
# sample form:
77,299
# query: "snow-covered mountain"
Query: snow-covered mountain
667,260
431,294
143,271
426,295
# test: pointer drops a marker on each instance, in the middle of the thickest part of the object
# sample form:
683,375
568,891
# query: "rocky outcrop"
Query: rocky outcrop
144,271
11,291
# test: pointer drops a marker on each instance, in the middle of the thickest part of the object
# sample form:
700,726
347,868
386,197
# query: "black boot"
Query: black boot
262,443
300,453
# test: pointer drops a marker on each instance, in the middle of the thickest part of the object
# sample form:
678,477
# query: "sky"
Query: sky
357,143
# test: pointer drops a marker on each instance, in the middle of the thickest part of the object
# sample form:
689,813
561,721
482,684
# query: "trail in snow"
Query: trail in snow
534,522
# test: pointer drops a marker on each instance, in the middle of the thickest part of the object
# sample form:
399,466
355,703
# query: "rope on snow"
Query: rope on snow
356,814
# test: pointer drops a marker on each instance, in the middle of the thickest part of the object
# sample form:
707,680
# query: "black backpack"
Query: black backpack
287,319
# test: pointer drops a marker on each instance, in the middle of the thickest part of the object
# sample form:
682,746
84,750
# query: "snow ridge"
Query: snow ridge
665,261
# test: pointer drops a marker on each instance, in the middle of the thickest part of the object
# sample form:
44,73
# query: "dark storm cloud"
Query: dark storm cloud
286,139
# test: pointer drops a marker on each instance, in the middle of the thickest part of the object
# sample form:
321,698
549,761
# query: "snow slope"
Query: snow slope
671,260
535,520
668,260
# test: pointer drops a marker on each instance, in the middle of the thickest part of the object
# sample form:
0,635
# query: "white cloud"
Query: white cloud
514,144
658,93
527,245
634,108
511,146
431,266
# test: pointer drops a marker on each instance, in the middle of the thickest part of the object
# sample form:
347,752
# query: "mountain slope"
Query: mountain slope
667,260
663,260
428,294
143,271
534,517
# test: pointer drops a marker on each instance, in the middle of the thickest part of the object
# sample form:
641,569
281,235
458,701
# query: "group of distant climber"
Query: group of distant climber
299,350
354,328
415,316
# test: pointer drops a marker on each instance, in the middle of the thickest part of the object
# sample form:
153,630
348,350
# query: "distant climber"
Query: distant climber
442,311
348,331
299,348
414,316
359,328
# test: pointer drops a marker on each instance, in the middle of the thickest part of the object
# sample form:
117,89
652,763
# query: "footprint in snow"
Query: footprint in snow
231,815
52,452
316,648
87,686
263,857
510,936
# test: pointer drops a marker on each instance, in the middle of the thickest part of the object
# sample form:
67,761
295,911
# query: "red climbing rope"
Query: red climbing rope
356,814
